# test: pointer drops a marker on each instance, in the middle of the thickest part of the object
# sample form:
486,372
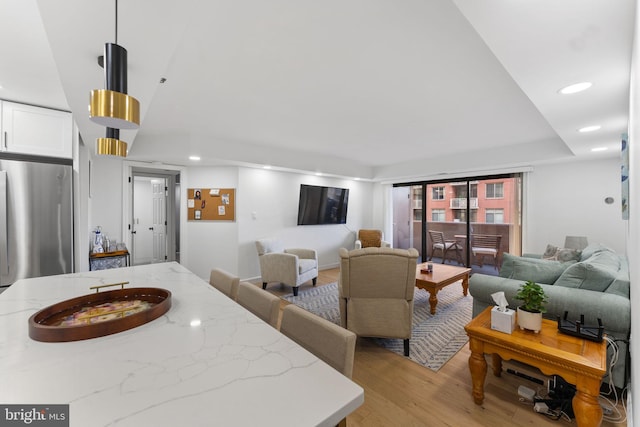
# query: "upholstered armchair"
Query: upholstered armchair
376,288
292,267
371,239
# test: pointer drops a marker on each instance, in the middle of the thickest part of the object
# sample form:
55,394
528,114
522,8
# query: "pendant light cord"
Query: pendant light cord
116,21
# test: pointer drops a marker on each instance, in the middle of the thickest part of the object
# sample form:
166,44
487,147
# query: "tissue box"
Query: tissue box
503,321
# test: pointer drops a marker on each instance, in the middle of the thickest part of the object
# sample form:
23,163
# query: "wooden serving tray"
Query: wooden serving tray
42,325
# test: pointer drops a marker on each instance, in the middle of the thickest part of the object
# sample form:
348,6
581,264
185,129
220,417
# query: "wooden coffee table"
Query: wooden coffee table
578,361
441,276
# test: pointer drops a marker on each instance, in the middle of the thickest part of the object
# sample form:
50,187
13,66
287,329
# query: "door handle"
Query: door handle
151,228
133,232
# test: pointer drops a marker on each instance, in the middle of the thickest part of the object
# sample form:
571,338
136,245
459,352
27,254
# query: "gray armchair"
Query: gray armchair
292,267
376,287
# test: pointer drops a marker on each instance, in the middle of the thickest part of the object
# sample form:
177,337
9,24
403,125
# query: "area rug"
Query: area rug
434,338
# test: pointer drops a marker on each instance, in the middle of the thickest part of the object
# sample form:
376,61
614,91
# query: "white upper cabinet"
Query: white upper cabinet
34,130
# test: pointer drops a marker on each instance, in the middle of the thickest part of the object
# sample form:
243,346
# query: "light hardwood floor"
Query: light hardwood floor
399,392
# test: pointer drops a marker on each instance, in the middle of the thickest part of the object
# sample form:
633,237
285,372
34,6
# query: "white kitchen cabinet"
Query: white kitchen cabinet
27,129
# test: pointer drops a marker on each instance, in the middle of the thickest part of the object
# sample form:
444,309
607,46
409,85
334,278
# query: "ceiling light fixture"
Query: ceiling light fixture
575,88
589,128
112,107
194,158
599,149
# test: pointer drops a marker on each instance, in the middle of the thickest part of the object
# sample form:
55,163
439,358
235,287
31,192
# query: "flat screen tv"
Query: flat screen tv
322,205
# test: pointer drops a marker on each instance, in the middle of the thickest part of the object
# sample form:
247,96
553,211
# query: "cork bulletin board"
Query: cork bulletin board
211,204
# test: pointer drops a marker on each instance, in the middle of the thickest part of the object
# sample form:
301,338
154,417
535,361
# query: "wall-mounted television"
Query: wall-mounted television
322,205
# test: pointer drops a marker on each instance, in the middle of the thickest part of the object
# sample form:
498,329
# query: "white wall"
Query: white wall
210,244
106,196
268,207
568,199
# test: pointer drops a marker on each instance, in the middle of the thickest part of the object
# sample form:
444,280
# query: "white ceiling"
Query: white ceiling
368,88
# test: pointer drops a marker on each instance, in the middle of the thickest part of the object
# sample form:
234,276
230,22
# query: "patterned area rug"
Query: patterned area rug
434,338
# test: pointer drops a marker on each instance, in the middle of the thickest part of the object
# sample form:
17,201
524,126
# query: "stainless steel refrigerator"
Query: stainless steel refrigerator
36,217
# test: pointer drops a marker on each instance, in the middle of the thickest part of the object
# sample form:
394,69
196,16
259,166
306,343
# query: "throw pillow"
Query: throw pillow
555,253
370,238
550,252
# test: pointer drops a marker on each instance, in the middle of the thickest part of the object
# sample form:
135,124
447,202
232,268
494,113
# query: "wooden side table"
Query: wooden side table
578,361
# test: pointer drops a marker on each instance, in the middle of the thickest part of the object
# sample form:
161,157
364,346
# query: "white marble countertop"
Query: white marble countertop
230,370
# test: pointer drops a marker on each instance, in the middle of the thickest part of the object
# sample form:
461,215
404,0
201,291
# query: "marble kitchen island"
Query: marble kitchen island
206,362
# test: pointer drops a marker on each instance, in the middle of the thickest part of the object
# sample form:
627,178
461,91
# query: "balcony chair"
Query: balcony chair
371,239
438,243
483,245
376,287
291,267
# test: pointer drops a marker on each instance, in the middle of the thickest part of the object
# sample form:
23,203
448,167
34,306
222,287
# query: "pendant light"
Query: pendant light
112,107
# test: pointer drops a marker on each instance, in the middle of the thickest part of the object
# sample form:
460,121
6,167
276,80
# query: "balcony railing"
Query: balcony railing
461,203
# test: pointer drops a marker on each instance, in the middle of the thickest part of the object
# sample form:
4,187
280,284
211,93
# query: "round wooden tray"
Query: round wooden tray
42,325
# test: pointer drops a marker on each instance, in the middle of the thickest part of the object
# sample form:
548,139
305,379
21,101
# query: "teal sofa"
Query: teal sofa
596,284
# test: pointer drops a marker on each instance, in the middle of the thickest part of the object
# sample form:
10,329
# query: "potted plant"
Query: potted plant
533,300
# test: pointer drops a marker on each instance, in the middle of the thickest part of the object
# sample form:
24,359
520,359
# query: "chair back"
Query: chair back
225,282
265,246
488,241
261,303
326,340
437,237
378,273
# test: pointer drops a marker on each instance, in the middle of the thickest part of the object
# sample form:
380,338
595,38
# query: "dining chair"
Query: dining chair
225,282
438,243
326,340
260,302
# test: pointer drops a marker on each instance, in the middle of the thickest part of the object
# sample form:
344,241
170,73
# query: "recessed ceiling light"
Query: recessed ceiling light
194,158
318,173
266,167
575,88
599,149
589,128
356,179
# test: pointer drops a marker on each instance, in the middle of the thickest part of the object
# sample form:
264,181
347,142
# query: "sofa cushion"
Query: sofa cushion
537,272
592,249
594,276
534,269
305,265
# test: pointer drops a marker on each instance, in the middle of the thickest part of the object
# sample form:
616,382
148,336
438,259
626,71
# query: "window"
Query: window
437,215
417,214
494,216
437,193
495,190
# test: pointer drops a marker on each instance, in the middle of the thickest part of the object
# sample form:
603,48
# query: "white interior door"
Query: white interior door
149,220
159,225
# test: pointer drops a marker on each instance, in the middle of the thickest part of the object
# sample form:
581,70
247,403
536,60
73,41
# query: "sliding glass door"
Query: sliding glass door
470,222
